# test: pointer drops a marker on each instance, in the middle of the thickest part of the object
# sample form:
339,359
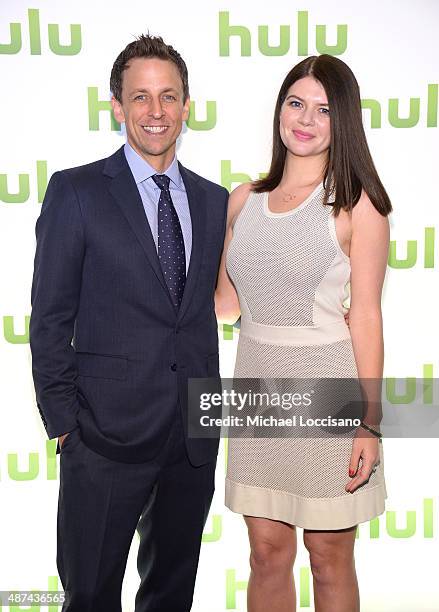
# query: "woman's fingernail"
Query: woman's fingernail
351,472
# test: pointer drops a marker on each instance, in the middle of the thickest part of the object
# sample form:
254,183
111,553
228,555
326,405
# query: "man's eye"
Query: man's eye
169,98
140,97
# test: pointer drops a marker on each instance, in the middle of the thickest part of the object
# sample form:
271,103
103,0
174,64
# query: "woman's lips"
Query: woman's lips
302,135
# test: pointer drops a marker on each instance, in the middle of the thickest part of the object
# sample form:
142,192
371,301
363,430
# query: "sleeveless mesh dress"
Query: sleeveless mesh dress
292,278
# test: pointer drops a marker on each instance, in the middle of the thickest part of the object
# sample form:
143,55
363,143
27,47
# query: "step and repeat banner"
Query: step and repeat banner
55,62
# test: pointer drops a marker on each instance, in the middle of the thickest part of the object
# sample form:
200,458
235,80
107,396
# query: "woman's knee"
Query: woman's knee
331,558
272,552
267,558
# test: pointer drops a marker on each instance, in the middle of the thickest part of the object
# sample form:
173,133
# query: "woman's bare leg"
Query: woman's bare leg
273,551
333,569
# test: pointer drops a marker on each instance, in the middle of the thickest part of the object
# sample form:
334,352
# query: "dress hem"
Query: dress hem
323,513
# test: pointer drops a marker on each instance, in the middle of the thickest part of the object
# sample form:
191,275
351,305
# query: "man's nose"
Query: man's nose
155,108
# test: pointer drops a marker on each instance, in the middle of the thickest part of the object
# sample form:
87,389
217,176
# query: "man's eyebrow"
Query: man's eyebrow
141,90
301,100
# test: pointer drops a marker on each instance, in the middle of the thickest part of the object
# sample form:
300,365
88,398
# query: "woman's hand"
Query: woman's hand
365,447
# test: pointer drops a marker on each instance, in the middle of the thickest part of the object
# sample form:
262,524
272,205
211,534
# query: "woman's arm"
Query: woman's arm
226,299
368,253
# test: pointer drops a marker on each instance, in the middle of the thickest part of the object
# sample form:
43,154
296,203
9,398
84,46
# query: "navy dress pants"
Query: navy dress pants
101,504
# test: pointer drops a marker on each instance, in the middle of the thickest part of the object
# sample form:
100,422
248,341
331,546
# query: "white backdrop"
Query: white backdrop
49,122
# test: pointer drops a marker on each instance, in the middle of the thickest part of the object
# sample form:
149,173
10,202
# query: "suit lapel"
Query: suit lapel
126,194
196,197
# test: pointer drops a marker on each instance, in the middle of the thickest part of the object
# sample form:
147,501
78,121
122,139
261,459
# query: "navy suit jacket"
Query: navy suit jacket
110,353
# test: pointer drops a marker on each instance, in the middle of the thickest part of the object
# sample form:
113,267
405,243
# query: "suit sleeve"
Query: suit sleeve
226,204
56,289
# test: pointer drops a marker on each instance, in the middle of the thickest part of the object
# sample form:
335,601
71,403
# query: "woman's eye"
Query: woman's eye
294,103
325,111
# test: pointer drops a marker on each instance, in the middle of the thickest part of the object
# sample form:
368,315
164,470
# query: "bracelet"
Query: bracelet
376,433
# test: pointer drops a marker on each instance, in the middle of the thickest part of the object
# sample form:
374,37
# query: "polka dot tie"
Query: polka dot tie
170,242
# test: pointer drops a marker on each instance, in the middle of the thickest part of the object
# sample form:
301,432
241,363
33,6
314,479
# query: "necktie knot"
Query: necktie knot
162,181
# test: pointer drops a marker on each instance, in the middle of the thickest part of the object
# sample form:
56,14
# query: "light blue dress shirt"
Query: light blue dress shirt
150,194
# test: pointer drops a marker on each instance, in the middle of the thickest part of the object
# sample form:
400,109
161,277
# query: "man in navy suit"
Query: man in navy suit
127,257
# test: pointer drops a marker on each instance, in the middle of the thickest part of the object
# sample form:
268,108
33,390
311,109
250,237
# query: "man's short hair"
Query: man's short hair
146,46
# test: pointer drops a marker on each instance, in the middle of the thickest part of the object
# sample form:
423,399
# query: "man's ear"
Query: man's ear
117,110
186,109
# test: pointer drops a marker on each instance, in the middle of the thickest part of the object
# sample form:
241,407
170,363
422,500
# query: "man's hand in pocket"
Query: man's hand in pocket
62,438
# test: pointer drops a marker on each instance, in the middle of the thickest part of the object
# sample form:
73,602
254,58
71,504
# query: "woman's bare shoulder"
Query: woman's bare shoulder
367,221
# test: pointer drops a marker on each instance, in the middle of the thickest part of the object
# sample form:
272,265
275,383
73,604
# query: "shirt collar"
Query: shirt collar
142,171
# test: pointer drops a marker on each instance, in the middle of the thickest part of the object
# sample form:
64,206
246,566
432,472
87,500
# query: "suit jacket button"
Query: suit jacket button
174,367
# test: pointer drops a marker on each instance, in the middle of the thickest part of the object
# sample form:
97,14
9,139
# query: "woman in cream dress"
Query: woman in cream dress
295,241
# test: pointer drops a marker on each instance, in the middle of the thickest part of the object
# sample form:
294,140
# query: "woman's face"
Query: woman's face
304,119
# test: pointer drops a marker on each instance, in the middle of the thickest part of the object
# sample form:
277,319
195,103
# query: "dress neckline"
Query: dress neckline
292,211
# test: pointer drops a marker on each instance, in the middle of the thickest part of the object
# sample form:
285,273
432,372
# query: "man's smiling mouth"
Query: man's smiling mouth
155,129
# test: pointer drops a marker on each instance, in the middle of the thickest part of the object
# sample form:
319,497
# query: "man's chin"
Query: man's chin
158,158
153,151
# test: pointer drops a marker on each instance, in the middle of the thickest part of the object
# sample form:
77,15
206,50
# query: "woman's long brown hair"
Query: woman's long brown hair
350,167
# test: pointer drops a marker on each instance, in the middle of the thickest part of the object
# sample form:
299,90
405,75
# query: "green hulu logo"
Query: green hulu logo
398,526
12,195
414,113
11,335
280,43
197,121
411,388
216,531
229,178
227,331
410,257
34,30
23,470
234,586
